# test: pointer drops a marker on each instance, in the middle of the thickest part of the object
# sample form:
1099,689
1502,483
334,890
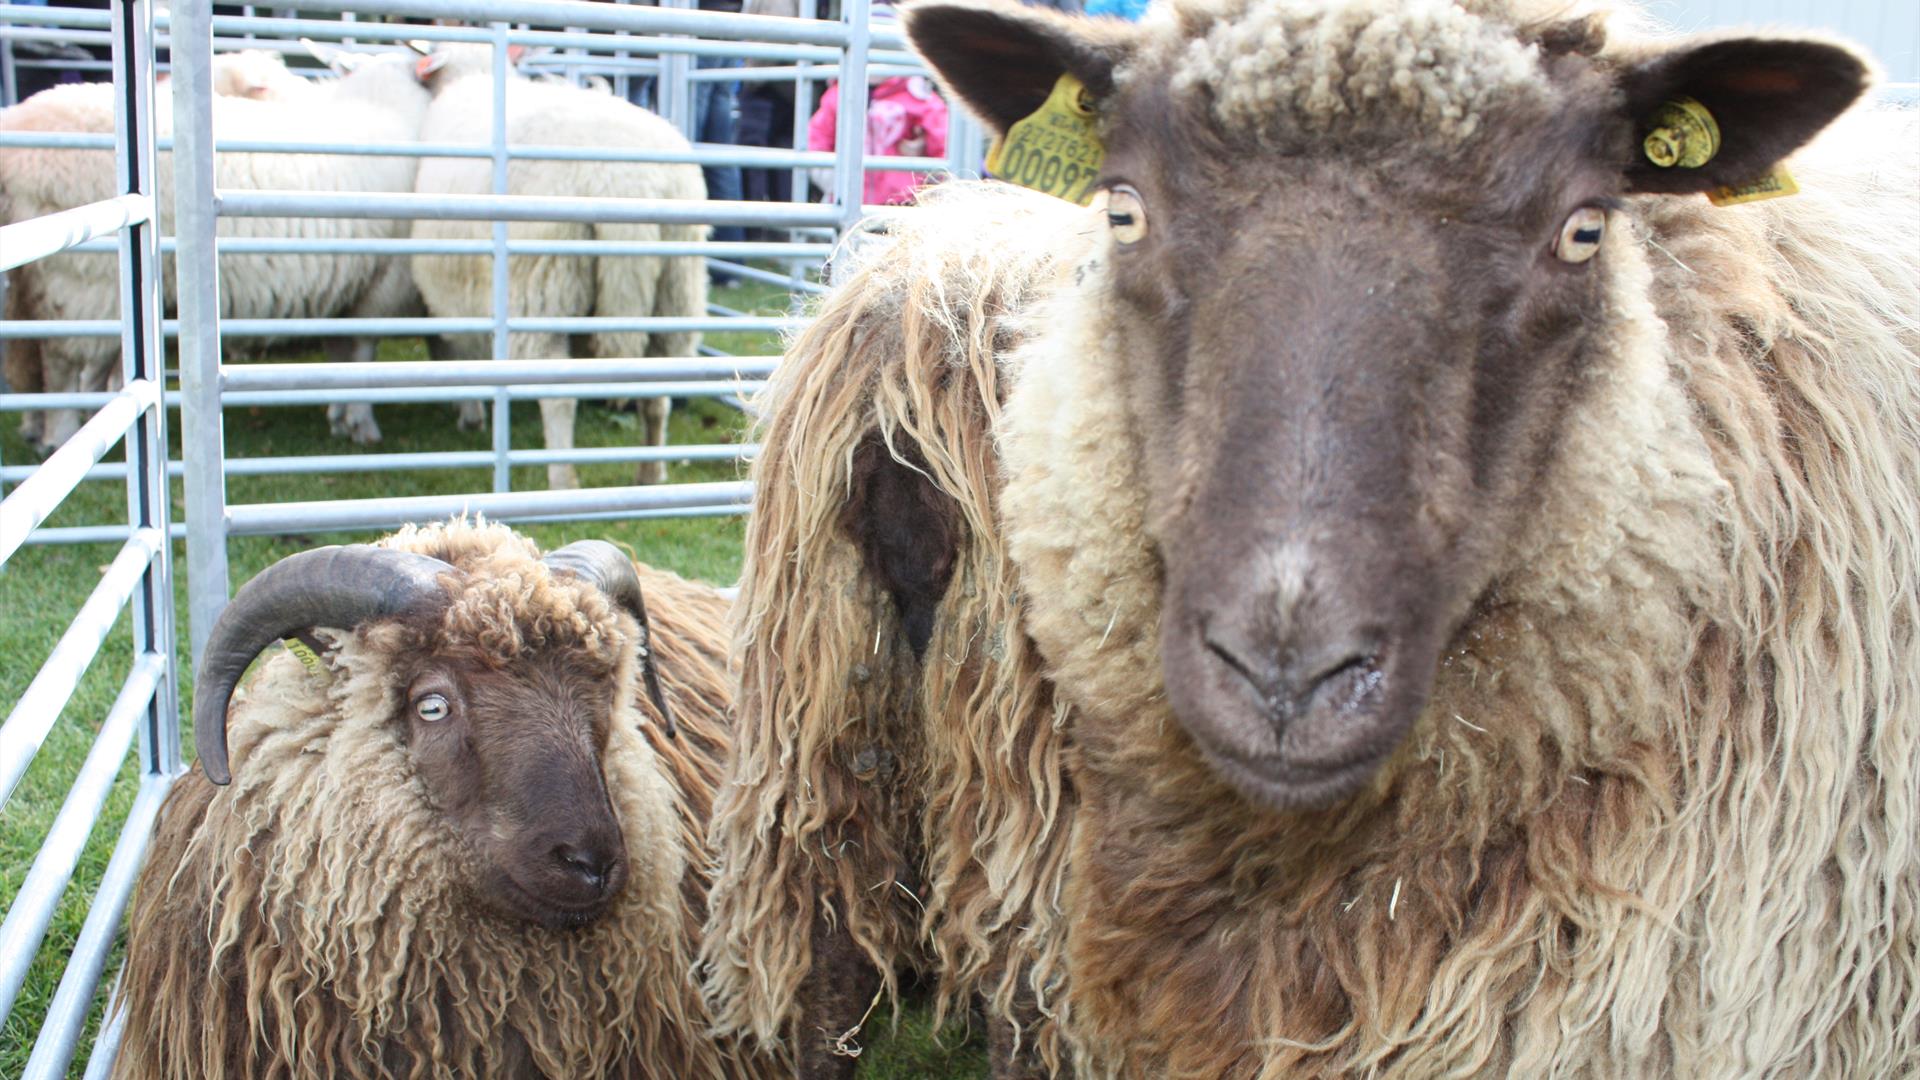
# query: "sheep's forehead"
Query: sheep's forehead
1284,68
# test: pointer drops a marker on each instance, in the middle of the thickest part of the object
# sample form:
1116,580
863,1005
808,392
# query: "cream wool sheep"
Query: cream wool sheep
379,100
339,911
1471,574
551,114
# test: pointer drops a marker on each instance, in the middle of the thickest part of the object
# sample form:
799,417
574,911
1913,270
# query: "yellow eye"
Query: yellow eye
1126,214
1580,234
432,708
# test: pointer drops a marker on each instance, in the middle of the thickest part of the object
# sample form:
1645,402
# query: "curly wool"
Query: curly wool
316,910
859,771
1658,817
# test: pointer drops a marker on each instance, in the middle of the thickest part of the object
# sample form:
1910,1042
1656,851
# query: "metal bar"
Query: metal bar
33,905
733,33
401,327
267,245
754,273
37,238
143,359
415,373
439,459
195,212
501,300
30,503
409,395
67,1015
53,685
106,1047
94,534
850,121
575,208
270,518
592,16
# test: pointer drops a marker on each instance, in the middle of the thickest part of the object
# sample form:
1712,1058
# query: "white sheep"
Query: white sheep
376,99
558,285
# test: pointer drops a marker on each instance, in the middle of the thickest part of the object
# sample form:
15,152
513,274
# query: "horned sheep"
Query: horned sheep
377,99
463,835
559,286
1402,585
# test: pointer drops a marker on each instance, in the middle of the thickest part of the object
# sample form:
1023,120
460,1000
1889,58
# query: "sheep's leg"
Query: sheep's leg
654,412
75,365
556,423
556,414
352,421
834,998
25,373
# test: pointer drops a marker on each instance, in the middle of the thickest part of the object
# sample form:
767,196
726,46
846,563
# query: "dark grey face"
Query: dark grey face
513,759
1345,425
1351,349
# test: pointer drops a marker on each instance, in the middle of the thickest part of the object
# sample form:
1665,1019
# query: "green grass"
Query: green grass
42,587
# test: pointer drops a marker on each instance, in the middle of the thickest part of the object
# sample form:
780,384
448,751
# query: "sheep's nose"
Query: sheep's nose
588,864
1288,677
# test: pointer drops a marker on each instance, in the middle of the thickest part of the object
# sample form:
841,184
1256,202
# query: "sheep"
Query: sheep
463,832
1470,574
557,285
261,74
378,98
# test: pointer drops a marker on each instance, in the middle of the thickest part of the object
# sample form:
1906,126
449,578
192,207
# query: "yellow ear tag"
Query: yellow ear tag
305,653
1056,149
1684,134
1776,183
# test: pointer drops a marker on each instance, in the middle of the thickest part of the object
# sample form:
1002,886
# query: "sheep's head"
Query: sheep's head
500,679
1361,260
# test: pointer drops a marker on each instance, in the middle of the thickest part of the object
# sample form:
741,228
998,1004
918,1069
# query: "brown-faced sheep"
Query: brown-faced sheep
463,837
1476,573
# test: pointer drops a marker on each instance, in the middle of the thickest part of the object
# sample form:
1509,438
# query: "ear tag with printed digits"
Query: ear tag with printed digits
1684,134
1056,149
1777,182
306,650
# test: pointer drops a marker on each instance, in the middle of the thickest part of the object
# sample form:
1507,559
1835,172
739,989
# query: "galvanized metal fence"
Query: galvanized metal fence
146,709
620,41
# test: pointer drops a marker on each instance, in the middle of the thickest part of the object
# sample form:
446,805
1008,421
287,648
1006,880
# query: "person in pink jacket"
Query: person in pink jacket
905,118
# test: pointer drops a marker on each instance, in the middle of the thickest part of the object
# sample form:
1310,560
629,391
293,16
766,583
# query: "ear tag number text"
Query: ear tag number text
1056,149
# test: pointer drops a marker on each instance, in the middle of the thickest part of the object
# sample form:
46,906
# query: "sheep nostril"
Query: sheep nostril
592,867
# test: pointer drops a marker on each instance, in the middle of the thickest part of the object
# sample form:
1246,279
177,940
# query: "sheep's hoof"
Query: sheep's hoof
473,416
562,478
652,472
354,422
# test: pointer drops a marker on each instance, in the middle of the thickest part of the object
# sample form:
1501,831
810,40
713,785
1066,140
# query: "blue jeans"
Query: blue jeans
713,122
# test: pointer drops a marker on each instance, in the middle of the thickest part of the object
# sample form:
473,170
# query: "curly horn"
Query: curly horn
609,569
330,586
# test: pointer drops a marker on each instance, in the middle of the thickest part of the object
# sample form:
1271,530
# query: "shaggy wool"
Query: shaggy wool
311,919
1658,817
925,804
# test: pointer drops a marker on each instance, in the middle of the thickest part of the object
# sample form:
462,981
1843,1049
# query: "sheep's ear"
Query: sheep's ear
1766,96
429,63
1002,59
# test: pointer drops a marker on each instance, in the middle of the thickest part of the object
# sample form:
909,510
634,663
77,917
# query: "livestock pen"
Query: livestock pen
248,436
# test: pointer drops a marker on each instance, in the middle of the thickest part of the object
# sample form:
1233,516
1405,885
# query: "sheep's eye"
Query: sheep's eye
1580,234
1126,214
432,708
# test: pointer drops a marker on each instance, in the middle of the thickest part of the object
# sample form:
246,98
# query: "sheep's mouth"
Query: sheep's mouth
1320,741
517,901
